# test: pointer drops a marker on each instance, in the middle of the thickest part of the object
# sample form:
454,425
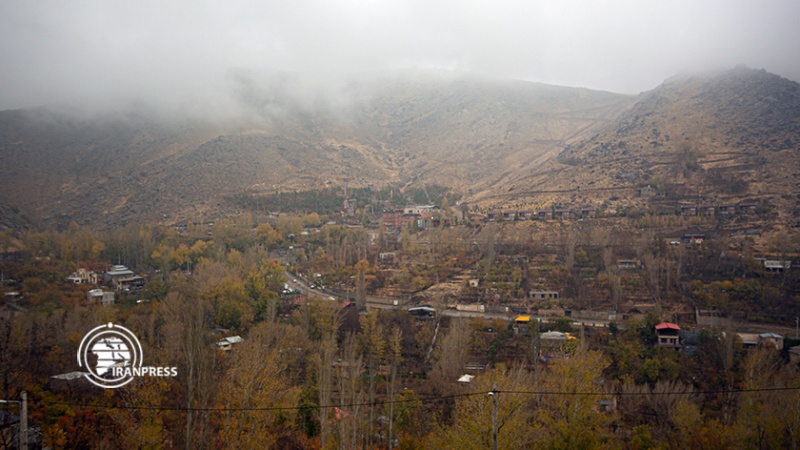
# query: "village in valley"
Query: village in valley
372,322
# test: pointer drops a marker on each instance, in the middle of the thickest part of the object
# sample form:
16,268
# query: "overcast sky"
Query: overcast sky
185,52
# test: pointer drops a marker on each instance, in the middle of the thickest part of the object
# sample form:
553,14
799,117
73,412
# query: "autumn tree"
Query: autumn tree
141,421
253,390
452,353
568,416
769,418
371,347
471,426
186,338
361,285
267,235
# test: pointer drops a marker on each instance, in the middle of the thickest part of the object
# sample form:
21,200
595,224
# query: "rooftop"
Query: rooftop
667,326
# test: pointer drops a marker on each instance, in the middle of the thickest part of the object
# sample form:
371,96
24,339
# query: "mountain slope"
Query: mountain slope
730,136
726,137
449,129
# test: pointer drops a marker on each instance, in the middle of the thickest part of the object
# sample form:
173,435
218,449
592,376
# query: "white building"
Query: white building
100,296
227,343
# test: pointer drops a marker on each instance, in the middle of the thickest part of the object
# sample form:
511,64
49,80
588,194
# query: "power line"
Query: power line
427,399
635,394
269,408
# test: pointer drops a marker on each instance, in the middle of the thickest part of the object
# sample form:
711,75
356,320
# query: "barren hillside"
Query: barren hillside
725,137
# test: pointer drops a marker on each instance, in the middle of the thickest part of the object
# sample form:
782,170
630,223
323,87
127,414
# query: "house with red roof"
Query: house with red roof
668,335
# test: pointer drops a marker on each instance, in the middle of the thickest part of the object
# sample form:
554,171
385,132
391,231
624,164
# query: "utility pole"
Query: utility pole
23,419
23,422
493,394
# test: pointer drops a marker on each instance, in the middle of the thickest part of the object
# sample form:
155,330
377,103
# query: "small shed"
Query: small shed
227,343
770,340
466,379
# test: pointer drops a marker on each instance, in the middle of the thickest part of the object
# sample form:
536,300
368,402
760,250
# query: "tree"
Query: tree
361,286
267,235
451,356
187,339
371,346
396,349
349,421
472,418
257,378
769,419
141,422
568,416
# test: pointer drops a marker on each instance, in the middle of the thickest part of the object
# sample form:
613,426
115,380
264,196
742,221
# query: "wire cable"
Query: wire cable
267,408
422,399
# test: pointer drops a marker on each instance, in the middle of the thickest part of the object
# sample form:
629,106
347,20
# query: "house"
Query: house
543,295
492,216
770,340
117,276
668,335
694,238
707,210
545,214
522,320
420,209
387,257
392,219
431,220
747,208
727,210
564,214
588,213
99,296
629,264
83,276
227,343
647,191
688,210
749,340
777,266
553,339
525,214
424,312
509,215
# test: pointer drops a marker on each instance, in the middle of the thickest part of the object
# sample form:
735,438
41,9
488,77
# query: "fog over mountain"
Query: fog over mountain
113,111
727,136
213,59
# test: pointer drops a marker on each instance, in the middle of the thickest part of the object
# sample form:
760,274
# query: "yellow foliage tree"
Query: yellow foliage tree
568,415
255,389
472,418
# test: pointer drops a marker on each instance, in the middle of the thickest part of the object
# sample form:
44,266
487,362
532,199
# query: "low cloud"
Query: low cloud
242,56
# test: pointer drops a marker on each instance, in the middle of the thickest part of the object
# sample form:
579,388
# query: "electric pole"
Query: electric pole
23,422
493,394
23,419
